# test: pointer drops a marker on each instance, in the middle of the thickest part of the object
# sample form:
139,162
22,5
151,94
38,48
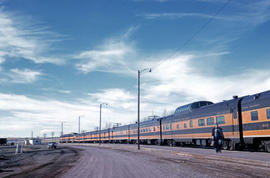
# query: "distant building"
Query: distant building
26,142
35,141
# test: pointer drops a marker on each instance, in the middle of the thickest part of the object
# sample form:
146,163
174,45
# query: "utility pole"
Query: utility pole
139,75
44,136
79,124
52,135
100,107
62,131
138,123
32,134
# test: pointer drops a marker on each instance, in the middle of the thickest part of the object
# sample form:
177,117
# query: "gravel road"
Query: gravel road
125,161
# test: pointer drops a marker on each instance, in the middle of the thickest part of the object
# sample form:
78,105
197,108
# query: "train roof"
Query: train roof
120,128
149,122
68,135
204,111
190,107
256,101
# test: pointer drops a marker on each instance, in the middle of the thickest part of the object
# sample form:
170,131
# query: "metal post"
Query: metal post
139,76
44,135
138,110
79,124
62,132
100,107
52,136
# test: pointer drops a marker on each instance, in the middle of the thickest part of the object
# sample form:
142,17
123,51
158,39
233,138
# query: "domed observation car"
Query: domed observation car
190,107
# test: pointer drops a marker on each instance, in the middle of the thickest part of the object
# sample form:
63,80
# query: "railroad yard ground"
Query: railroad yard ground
36,161
124,161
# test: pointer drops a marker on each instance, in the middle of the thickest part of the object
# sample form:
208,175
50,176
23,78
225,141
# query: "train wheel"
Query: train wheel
267,146
171,143
226,144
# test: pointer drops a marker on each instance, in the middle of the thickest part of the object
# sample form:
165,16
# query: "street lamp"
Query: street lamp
139,75
100,107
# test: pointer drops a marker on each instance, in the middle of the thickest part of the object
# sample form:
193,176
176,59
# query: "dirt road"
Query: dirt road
125,161
36,161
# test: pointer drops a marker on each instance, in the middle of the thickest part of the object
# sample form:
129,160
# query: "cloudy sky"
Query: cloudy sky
60,59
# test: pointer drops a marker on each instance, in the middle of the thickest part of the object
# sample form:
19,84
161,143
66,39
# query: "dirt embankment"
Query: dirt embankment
36,161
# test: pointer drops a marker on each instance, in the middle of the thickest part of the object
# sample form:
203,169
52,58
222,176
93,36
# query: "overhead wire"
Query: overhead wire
194,34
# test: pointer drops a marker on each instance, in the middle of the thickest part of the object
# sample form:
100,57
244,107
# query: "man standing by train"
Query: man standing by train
217,136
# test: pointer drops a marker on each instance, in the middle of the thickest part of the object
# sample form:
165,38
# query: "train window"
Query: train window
234,114
185,125
149,129
254,115
154,129
178,126
220,120
210,121
201,122
268,113
167,127
190,124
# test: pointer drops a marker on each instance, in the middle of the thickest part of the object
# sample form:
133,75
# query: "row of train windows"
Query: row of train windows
201,122
254,115
209,121
146,130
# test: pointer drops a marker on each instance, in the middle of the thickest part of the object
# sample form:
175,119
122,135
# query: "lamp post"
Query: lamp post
100,107
79,127
139,76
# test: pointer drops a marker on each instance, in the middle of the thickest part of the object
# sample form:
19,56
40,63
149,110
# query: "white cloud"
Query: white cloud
64,91
252,13
20,38
25,114
183,82
182,15
116,98
111,56
39,113
23,76
114,55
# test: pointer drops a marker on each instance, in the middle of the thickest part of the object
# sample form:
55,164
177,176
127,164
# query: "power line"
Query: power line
195,34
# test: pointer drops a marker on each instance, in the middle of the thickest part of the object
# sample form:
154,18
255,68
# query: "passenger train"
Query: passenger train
245,122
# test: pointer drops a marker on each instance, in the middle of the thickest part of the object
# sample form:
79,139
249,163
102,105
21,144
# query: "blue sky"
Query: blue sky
60,59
